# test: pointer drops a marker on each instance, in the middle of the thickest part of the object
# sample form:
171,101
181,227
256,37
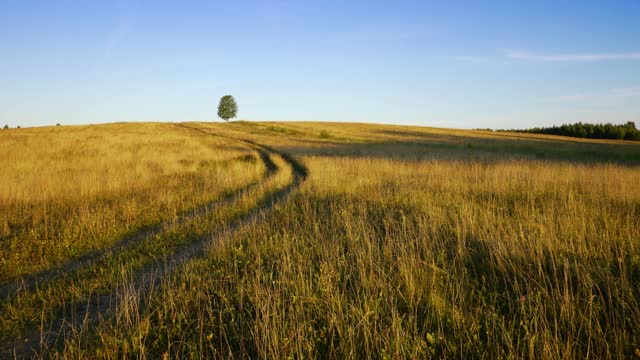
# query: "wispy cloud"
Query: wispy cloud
381,34
127,10
126,17
473,58
482,59
571,57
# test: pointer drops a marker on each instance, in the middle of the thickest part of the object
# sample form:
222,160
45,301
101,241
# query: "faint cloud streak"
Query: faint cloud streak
127,10
572,57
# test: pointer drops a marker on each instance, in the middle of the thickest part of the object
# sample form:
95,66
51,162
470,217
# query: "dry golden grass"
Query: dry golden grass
406,242
67,190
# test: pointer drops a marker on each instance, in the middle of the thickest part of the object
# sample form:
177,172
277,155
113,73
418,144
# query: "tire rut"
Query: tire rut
101,306
27,282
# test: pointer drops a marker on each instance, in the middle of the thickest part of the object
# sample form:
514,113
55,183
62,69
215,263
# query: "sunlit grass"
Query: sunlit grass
64,191
404,242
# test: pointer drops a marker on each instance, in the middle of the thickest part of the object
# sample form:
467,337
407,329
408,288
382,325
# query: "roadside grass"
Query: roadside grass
66,191
403,259
65,300
404,242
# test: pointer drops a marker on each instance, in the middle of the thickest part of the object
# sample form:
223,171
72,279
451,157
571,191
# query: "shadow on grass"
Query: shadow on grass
425,146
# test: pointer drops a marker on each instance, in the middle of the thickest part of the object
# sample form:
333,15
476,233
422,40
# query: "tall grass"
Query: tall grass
404,242
64,191
55,309
391,256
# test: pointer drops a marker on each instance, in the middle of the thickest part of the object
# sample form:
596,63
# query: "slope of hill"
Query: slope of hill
302,239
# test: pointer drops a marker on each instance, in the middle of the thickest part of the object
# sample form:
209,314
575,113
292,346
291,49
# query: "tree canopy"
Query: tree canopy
227,109
626,131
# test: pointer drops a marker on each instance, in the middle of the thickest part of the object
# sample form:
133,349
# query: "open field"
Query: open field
317,240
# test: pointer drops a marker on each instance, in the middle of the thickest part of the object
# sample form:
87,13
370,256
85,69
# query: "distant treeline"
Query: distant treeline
627,131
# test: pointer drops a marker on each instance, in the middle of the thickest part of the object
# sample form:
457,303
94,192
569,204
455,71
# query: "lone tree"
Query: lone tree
6,127
227,109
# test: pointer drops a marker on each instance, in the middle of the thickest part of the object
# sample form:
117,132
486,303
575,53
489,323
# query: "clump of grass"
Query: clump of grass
284,130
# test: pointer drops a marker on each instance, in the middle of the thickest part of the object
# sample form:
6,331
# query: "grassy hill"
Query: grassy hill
303,239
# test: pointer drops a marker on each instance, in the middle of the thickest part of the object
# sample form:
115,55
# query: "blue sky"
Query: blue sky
465,64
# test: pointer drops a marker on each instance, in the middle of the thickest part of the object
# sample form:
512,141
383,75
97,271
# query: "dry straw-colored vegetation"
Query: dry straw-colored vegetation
403,242
67,190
